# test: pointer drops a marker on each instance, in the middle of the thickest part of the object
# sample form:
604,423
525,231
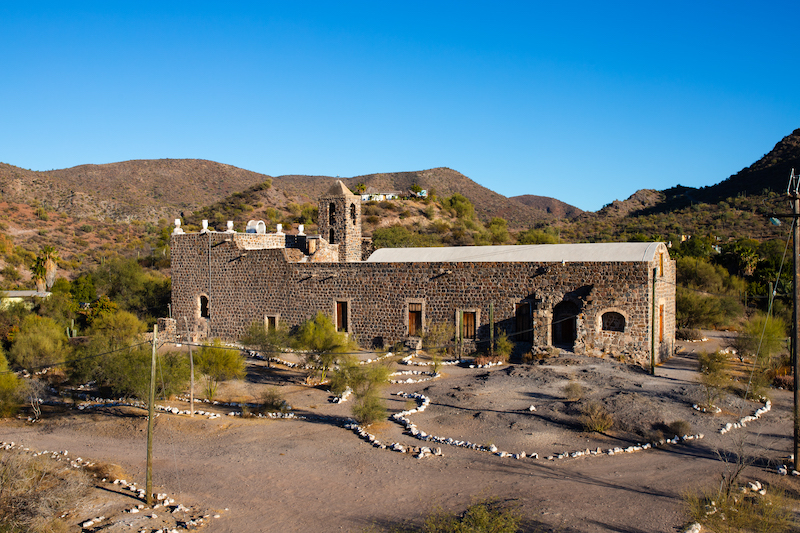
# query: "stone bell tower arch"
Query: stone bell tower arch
339,221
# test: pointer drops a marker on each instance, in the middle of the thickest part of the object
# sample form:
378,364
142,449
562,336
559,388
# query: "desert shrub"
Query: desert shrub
762,336
460,206
366,382
109,471
438,337
680,428
266,340
574,391
220,363
10,273
688,334
36,491
783,382
535,236
594,417
695,310
10,390
483,516
714,376
323,343
172,373
503,346
40,342
272,400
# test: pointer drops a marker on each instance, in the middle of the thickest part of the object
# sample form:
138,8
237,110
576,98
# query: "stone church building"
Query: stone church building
596,299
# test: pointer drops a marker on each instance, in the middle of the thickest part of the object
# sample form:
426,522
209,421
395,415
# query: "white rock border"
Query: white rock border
162,500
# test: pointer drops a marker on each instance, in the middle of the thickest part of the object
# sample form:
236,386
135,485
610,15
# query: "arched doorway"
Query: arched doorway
565,328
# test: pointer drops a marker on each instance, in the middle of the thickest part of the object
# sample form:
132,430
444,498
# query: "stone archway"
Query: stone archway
565,325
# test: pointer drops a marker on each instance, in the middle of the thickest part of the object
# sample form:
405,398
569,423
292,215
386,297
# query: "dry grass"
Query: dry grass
108,471
36,491
594,417
574,391
742,511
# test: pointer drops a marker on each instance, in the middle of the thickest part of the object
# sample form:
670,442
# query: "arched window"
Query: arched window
613,321
332,213
204,306
353,212
332,237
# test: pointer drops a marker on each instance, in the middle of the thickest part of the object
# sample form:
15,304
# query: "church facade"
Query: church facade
615,299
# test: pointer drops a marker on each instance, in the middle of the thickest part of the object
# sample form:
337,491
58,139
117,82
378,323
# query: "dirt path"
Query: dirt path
294,475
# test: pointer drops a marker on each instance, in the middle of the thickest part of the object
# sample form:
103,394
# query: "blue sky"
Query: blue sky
586,102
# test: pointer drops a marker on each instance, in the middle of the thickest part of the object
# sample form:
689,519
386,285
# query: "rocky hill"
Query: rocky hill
551,206
150,190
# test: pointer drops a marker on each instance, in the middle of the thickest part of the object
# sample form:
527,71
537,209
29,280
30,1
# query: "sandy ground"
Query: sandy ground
314,475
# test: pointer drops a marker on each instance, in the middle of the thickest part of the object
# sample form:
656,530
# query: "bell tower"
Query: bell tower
339,221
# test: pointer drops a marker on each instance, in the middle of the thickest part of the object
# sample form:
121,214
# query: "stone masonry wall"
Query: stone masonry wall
242,290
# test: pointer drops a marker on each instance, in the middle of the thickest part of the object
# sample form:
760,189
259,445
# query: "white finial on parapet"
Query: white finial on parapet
301,229
177,229
230,227
279,231
205,226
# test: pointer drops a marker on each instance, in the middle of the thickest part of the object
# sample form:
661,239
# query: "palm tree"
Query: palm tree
50,256
39,271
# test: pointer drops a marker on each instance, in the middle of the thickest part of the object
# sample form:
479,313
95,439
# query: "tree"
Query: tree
40,342
324,344
49,256
536,236
118,329
39,272
498,230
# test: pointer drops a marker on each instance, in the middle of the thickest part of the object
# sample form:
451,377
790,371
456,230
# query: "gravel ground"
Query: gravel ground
315,475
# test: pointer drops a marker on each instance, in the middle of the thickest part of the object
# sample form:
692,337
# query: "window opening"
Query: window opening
332,237
272,323
661,264
524,322
415,319
353,212
661,323
332,213
341,316
613,321
204,307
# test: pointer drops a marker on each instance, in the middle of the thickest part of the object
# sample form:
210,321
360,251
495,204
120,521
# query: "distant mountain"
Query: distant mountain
165,188
139,189
443,181
549,205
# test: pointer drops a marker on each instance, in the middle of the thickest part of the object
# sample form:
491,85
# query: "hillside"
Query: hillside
442,181
551,206
130,190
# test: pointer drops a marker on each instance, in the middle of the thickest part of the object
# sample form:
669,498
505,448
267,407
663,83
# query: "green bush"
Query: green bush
220,363
714,375
503,346
10,390
483,516
40,342
323,343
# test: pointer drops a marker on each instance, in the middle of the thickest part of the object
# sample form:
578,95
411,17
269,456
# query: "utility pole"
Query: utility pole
794,193
653,326
150,416
191,369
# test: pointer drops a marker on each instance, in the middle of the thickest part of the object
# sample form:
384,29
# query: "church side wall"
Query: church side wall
247,287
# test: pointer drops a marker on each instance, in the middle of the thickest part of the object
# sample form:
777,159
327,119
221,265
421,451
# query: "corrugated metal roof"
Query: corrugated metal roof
532,253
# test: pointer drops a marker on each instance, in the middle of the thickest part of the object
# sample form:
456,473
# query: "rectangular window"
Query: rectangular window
415,319
341,316
468,325
272,322
661,264
661,323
